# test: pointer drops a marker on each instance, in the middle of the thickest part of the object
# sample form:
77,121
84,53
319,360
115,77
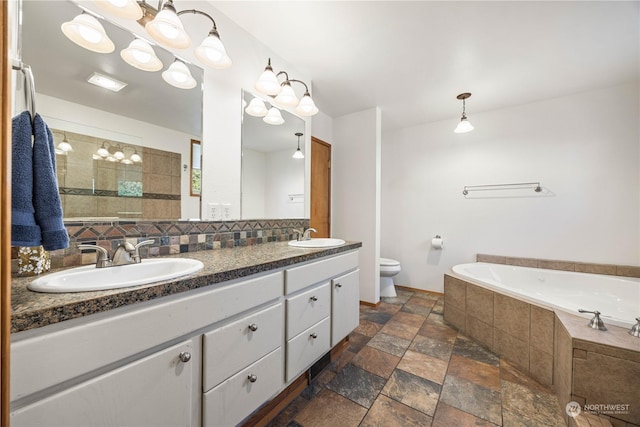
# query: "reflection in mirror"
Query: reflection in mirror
196,168
273,181
148,115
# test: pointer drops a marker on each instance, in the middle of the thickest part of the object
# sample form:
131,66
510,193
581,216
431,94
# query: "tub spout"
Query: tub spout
596,322
635,329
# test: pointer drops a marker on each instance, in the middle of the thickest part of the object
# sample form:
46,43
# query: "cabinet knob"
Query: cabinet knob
338,285
314,298
184,356
313,335
252,378
253,327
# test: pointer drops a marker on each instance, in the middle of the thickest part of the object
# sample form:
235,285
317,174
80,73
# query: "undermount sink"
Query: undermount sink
90,278
320,242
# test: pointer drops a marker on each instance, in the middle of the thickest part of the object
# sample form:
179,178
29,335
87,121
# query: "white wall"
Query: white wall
356,192
285,177
93,122
254,173
583,148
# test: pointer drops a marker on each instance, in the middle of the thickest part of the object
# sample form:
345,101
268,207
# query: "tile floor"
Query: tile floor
405,367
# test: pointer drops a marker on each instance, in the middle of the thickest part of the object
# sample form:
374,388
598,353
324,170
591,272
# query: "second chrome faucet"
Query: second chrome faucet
304,234
126,253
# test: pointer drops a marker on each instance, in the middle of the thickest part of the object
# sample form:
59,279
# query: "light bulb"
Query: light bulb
87,32
256,108
298,154
273,117
178,75
463,126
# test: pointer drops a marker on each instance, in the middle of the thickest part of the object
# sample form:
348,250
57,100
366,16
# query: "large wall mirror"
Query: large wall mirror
148,117
273,181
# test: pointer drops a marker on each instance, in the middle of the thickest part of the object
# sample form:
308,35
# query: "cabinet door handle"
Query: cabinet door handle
313,335
338,285
253,327
314,298
252,378
184,356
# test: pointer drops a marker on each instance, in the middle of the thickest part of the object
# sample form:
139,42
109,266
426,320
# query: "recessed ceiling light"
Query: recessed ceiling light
106,82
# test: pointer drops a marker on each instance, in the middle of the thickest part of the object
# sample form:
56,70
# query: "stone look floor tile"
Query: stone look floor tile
384,307
357,341
376,361
342,361
509,373
439,332
368,328
412,390
289,412
389,413
393,345
436,318
468,348
357,385
448,416
330,409
401,330
424,366
428,295
472,398
432,347
428,303
474,371
416,309
530,404
410,319
378,317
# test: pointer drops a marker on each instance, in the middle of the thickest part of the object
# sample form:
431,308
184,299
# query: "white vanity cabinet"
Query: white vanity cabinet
345,305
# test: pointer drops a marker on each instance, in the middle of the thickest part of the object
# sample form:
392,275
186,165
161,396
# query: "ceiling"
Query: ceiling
411,58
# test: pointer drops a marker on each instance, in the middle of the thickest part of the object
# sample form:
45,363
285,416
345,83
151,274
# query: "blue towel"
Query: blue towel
46,198
24,230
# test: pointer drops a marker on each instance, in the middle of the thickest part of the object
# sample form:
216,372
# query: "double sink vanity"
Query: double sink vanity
205,349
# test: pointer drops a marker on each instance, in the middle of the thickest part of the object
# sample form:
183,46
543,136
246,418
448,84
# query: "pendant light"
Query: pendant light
141,55
464,125
167,29
178,75
256,108
273,117
298,154
64,145
128,9
86,31
268,82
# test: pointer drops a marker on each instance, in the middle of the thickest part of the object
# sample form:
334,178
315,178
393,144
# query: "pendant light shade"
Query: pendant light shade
128,9
102,151
464,125
273,117
86,31
287,97
178,75
141,55
64,145
268,82
211,52
256,108
167,29
298,153
307,107
135,157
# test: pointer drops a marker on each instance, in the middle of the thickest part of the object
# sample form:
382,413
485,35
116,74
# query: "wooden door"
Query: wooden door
320,187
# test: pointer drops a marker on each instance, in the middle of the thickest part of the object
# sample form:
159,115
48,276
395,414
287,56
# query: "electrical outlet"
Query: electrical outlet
226,211
215,213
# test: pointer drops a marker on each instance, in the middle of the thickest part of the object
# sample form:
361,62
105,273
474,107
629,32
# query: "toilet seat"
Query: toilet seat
388,262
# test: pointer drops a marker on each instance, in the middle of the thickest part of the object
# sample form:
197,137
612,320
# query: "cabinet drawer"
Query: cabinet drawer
297,278
303,350
235,346
234,399
307,309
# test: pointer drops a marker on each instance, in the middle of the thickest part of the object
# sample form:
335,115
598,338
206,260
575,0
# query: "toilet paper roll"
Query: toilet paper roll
437,242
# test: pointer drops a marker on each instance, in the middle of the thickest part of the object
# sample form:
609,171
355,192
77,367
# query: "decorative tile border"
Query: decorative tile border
580,267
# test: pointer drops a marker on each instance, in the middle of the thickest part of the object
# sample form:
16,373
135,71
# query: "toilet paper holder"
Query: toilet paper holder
437,242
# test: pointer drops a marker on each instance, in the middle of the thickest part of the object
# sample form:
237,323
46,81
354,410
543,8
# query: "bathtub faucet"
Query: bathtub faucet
635,329
596,322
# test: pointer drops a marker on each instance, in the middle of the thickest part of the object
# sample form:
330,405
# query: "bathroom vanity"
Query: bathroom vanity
210,355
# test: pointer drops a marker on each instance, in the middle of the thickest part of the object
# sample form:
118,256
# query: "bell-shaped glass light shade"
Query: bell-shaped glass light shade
178,75
126,162
268,83
141,55
211,52
464,126
167,29
307,107
102,151
298,154
127,9
287,97
135,157
256,108
65,146
86,31
273,117
119,155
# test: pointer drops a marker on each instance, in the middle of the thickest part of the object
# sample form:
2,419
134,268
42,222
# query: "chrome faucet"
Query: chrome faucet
125,254
307,233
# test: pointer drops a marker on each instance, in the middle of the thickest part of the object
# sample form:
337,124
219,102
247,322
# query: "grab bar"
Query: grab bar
30,86
535,185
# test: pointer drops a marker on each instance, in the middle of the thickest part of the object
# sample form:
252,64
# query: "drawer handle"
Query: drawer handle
314,298
313,335
184,356
338,285
253,327
252,378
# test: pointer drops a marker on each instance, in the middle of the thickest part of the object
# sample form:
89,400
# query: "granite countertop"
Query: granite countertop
31,310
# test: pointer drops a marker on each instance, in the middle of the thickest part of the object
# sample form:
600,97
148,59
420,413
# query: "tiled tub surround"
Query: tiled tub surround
32,310
557,349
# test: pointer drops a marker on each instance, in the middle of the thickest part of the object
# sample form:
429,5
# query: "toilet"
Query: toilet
388,268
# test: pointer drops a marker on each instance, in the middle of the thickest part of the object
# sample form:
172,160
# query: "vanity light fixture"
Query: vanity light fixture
273,117
111,153
464,125
285,96
106,82
128,9
86,31
256,108
64,145
141,55
167,29
178,75
298,153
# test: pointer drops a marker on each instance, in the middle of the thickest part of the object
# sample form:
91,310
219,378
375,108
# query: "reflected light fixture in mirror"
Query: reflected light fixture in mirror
116,154
268,84
464,125
273,117
178,75
87,32
140,54
256,108
298,153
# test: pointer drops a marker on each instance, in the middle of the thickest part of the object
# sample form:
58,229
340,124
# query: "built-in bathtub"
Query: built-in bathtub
529,316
